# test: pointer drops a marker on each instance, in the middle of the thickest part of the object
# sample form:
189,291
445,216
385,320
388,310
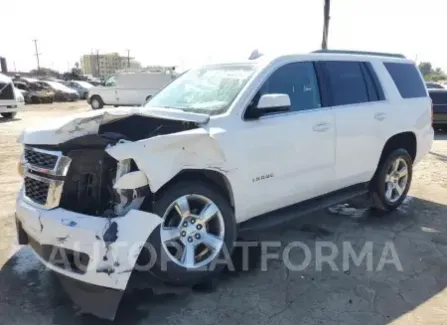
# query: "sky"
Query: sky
186,33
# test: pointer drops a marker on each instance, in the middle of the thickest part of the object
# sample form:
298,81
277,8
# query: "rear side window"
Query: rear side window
407,79
349,82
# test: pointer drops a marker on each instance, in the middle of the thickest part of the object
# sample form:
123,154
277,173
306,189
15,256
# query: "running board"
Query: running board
290,213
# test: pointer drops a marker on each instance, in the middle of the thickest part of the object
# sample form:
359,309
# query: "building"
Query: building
3,65
101,65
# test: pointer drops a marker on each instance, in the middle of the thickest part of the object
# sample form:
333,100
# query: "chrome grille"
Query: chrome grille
40,159
36,190
43,172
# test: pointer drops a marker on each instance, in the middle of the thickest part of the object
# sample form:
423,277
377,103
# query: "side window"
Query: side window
298,80
407,79
347,82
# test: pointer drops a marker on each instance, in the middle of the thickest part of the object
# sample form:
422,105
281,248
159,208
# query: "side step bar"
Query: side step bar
290,213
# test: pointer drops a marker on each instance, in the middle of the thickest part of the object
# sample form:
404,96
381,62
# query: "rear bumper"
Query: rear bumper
94,250
424,143
10,106
439,118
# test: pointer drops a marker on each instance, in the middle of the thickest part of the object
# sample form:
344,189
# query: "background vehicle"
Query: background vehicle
24,94
82,87
439,100
434,85
11,99
34,93
61,92
129,88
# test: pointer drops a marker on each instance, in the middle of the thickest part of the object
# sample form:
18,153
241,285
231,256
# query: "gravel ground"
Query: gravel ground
29,294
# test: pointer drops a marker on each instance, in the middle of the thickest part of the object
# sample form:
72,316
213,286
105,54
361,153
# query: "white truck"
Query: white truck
11,99
129,88
224,148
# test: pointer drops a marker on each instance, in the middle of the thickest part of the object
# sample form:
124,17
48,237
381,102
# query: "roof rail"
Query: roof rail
391,55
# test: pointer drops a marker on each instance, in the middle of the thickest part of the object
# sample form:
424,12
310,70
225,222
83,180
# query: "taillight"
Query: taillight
431,112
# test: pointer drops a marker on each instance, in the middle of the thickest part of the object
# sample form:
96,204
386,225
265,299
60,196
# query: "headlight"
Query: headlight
20,168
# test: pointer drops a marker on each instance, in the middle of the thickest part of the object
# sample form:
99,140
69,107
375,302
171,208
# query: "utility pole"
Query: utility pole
37,56
97,63
128,58
327,17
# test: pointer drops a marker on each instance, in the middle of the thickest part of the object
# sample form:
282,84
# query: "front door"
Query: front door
288,157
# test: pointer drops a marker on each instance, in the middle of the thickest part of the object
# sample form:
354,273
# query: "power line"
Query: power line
36,53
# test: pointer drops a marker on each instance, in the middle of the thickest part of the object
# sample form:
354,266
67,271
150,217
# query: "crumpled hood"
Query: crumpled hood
60,130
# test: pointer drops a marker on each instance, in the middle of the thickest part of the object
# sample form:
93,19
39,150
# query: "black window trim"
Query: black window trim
375,80
255,98
371,89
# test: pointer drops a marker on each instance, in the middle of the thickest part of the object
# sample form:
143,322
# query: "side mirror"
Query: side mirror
148,98
270,103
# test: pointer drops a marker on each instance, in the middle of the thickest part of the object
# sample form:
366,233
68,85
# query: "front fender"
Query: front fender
162,157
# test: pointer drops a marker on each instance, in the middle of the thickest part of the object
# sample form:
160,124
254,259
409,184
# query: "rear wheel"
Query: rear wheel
197,231
9,115
96,102
391,183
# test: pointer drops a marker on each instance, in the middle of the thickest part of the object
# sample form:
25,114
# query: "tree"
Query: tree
429,74
46,72
425,68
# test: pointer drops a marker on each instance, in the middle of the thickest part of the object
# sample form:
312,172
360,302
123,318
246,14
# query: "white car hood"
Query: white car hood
60,130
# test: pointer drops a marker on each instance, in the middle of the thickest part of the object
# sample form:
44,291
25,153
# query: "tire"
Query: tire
9,116
389,180
173,271
96,102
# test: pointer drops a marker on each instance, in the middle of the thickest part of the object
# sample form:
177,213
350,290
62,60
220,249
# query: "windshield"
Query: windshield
110,82
209,90
57,86
84,84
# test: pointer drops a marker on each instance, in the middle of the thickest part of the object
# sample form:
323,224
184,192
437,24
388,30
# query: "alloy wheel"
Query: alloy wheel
396,180
192,231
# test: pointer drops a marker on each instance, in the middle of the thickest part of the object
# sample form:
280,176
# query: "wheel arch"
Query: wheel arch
405,140
96,96
210,176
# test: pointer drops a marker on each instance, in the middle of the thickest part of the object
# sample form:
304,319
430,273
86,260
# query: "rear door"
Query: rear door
362,118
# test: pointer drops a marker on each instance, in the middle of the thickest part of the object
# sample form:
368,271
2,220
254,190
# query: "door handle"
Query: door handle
380,116
321,127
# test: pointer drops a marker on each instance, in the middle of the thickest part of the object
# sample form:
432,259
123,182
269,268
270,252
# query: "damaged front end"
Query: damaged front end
79,198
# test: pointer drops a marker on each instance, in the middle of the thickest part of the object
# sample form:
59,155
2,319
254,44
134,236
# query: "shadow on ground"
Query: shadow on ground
352,295
9,120
441,134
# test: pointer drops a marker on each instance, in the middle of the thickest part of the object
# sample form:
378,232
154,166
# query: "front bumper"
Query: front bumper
94,250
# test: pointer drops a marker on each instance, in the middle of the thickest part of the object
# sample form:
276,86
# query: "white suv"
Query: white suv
223,148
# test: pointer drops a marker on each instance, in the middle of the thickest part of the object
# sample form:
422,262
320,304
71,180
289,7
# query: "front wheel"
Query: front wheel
96,102
197,232
391,183
9,116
